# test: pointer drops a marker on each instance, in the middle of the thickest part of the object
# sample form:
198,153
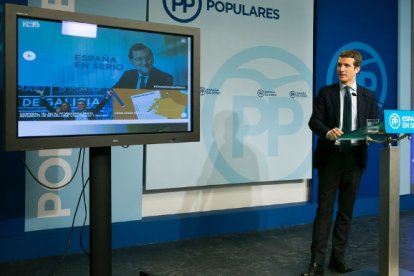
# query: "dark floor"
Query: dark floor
283,251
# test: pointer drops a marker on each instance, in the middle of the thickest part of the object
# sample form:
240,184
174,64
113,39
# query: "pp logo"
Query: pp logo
394,120
182,11
273,126
373,74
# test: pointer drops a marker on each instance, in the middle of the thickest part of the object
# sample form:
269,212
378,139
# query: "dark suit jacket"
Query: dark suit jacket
326,115
129,79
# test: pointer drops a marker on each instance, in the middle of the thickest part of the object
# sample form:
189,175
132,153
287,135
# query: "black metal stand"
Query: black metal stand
100,211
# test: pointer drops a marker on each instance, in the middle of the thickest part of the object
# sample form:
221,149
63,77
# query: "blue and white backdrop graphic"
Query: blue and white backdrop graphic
256,94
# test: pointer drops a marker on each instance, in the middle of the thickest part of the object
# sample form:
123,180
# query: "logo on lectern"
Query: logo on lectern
395,120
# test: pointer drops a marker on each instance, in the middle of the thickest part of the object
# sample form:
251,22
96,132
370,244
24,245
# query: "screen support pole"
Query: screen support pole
100,228
389,210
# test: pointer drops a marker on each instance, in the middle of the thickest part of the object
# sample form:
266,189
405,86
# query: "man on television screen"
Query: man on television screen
145,75
82,112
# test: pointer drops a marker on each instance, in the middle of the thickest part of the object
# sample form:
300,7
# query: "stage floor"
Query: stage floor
283,251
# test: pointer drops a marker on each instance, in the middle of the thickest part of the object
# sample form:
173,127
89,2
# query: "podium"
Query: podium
389,133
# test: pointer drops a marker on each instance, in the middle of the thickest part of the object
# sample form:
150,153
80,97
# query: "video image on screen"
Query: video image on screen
97,79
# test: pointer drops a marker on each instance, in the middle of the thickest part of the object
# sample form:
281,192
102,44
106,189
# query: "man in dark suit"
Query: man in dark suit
145,75
338,108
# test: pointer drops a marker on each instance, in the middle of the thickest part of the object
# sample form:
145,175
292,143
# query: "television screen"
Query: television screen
77,80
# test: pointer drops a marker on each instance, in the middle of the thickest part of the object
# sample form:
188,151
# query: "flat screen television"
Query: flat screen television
79,80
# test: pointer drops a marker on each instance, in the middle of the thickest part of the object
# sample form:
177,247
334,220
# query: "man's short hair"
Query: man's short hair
352,54
140,47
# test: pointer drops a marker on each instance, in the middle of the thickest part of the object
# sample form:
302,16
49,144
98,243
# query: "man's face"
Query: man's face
142,61
80,106
346,70
64,107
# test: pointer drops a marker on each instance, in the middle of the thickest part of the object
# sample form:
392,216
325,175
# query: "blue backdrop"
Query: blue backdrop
370,26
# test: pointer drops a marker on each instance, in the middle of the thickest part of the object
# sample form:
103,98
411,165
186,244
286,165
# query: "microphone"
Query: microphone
382,104
373,99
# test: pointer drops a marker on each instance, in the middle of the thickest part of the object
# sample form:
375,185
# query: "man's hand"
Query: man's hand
40,92
334,134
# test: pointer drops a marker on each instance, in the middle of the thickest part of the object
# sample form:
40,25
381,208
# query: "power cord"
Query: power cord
85,206
70,234
81,156
44,185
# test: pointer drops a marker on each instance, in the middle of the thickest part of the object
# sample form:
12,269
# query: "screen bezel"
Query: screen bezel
14,143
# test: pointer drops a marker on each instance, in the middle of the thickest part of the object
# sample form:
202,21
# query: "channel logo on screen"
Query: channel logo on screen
30,24
29,55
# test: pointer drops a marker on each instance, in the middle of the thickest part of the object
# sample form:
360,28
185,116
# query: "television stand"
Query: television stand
100,223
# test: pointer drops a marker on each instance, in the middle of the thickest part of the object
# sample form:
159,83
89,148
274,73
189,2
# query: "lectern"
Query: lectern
397,125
